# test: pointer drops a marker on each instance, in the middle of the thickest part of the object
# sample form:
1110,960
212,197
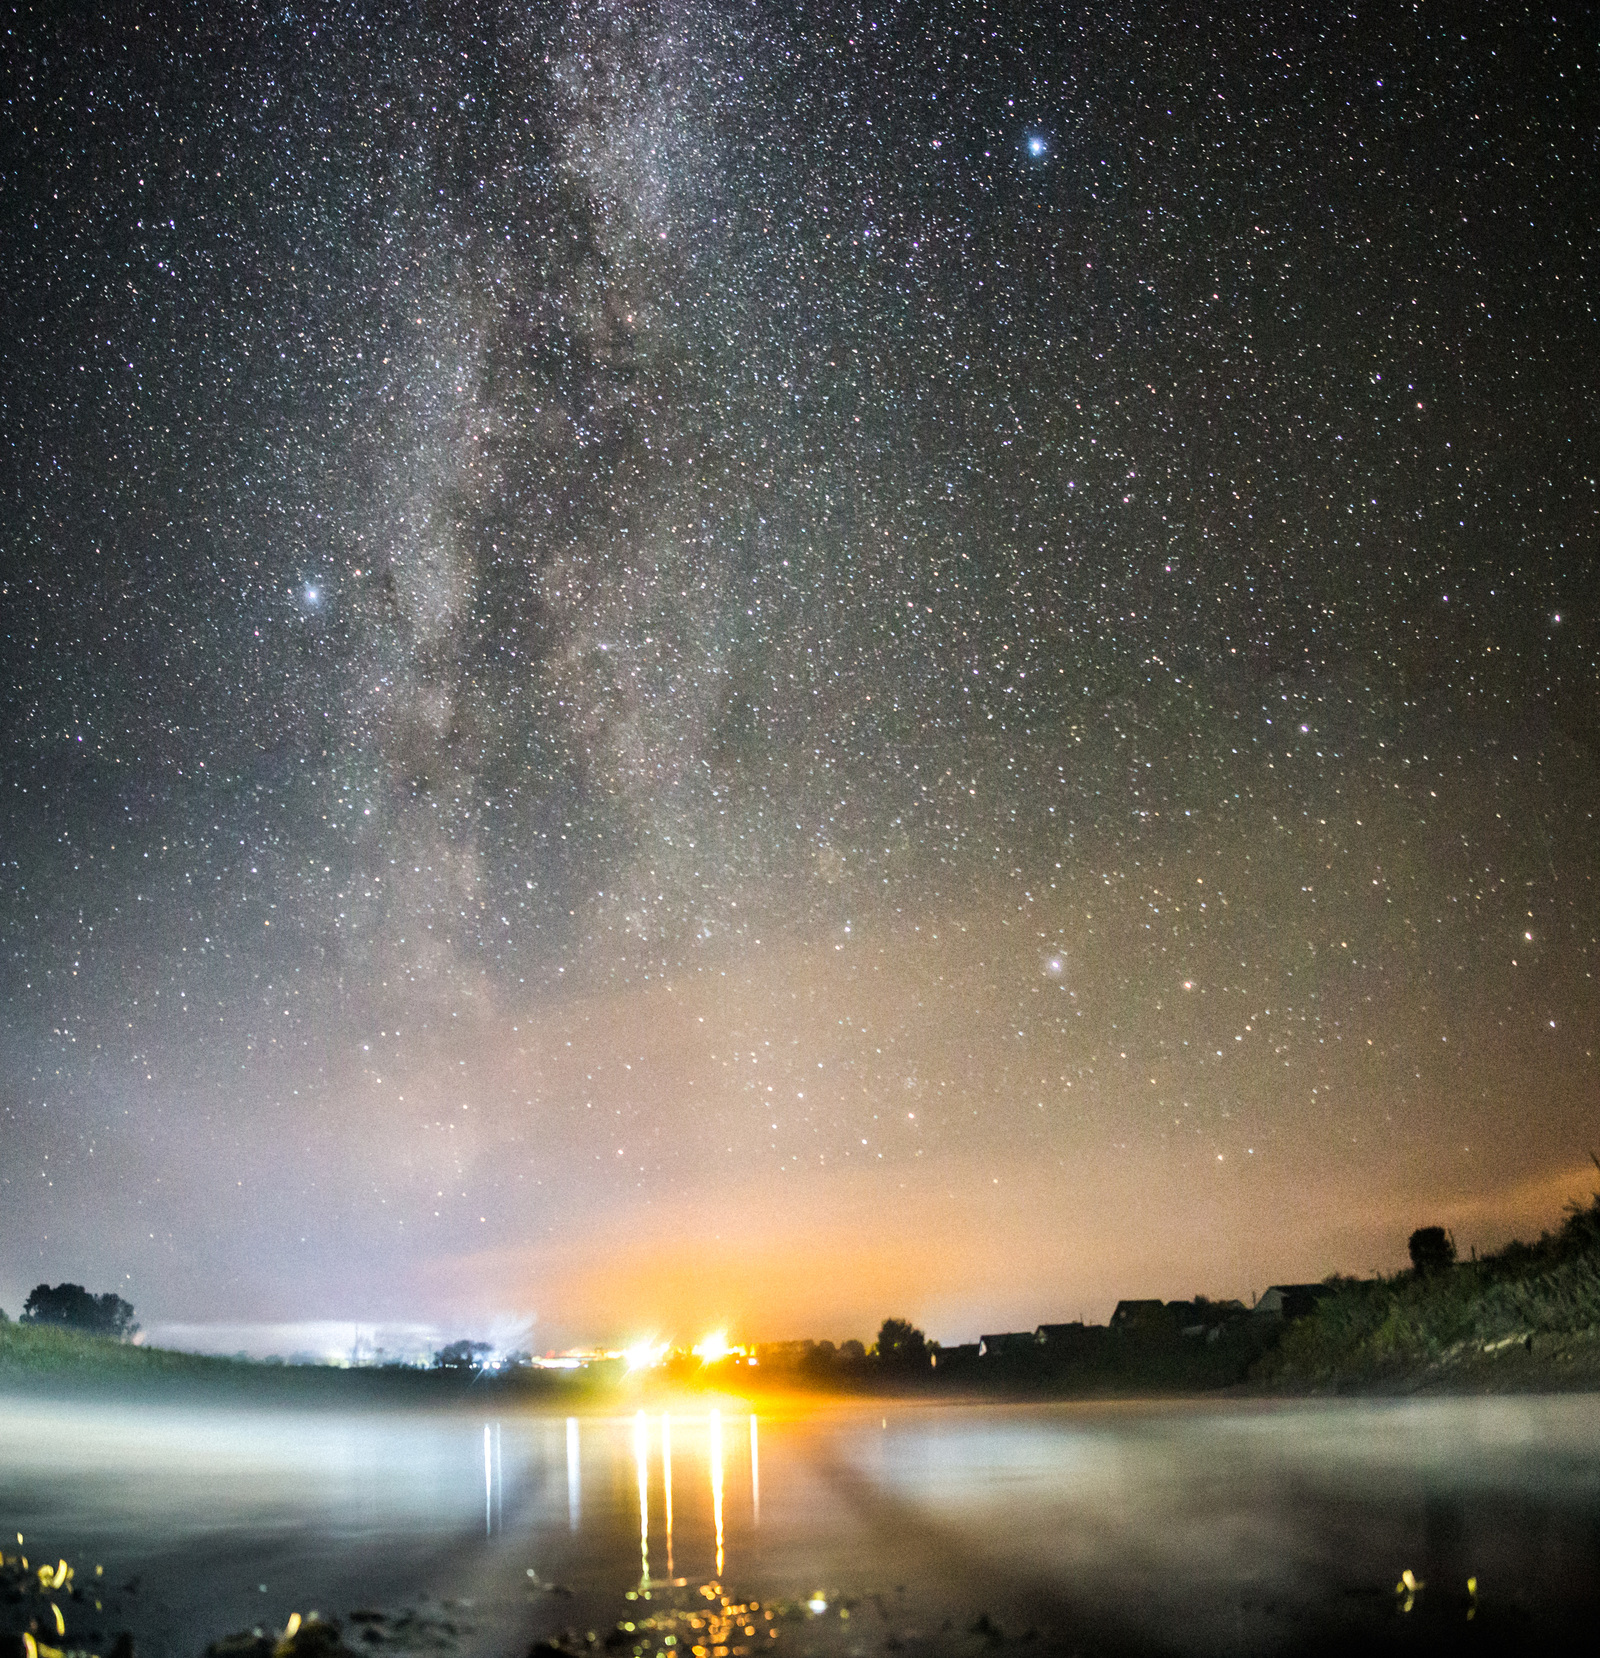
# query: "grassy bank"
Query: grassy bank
42,1357
1528,1315
45,1350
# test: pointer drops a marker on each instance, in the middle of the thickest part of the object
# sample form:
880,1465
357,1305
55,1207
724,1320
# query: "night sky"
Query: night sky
785,663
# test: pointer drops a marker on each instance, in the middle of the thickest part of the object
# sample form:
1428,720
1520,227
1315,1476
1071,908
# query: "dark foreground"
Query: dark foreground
1136,1528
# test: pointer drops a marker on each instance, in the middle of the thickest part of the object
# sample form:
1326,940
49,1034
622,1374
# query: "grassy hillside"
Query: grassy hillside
45,1350
1528,1302
42,1356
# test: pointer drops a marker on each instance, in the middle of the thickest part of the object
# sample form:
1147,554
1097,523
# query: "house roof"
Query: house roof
1006,1340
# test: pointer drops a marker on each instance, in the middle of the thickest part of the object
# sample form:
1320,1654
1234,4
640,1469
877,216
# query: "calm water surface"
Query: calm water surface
1183,1528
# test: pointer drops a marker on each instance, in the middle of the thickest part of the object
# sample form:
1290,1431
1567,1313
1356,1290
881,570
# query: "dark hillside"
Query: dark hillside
1527,1315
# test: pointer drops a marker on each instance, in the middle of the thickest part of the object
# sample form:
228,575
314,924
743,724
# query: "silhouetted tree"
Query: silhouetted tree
901,1346
71,1307
461,1355
1432,1249
851,1352
817,1358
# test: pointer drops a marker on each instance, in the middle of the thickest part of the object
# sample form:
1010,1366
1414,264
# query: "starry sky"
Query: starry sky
783,663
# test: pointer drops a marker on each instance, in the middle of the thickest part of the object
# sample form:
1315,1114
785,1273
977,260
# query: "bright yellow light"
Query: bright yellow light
714,1348
645,1355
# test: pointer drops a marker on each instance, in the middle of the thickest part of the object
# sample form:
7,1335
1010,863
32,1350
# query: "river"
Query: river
1180,1527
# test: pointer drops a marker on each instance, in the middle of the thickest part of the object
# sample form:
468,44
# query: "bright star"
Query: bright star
1036,145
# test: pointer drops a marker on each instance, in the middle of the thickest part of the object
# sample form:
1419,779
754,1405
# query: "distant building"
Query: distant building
1068,1340
1202,1319
1009,1341
953,1358
1141,1316
1048,1334
787,1355
1290,1301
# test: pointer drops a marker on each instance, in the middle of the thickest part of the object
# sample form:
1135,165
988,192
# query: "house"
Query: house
1048,1335
1202,1319
1289,1301
1059,1340
954,1358
1142,1317
1009,1341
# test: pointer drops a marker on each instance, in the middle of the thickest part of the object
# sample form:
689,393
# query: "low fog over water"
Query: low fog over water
1210,1528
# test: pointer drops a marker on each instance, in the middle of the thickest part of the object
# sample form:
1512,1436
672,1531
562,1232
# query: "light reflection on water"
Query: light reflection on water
714,1458
644,1481
574,1477
641,1457
755,1474
309,1500
1213,1518
666,1481
1161,1507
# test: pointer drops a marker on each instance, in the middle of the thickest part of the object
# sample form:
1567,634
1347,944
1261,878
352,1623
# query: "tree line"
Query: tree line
72,1307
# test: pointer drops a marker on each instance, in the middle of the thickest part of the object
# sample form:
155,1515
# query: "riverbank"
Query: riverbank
36,1358
1524,1319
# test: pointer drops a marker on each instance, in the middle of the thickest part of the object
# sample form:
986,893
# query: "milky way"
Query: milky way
790,663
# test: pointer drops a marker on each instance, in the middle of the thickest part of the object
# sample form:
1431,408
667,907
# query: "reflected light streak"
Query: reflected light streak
488,1482
574,1479
666,1481
715,1437
755,1473
641,1457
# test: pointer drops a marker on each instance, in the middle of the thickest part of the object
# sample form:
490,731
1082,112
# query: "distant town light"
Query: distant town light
714,1348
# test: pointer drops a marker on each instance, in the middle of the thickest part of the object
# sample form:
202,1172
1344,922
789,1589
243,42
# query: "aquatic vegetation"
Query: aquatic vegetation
435,1629
679,1619
35,1600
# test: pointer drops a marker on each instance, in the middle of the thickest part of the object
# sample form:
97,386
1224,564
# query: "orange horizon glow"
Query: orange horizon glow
999,1246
